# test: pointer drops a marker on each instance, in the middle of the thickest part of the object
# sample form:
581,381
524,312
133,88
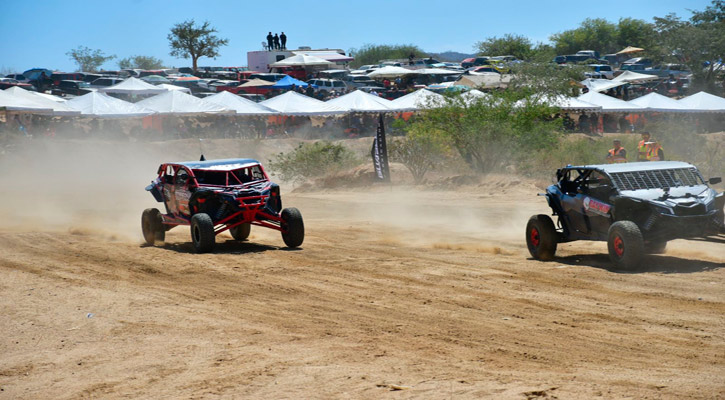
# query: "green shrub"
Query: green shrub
311,160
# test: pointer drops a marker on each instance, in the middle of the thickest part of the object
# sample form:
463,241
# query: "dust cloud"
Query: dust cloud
95,187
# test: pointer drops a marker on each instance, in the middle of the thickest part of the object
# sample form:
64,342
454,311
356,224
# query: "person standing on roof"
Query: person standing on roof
276,41
283,41
618,154
270,41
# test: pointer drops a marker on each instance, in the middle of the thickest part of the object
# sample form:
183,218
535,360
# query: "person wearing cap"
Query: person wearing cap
654,151
642,147
618,154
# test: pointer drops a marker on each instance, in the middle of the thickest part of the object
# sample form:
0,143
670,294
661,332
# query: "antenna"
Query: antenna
201,150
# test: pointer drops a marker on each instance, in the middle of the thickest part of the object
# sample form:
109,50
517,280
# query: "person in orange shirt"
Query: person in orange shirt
618,154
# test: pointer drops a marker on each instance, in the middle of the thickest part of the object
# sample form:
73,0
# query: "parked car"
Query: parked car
56,77
645,62
591,53
75,88
224,85
18,77
215,196
474,62
635,207
328,84
106,81
6,83
333,74
293,71
665,70
254,97
604,70
359,81
267,76
365,69
88,77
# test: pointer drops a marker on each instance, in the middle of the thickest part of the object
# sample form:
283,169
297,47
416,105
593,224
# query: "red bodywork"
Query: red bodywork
177,184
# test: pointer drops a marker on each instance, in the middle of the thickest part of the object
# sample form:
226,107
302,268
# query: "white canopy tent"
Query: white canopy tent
293,103
390,72
473,96
659,103
301,60
436,71
360,101
104,106
176,102
58,108
133,86
703,102
421,98
631,76
174,87
599,85
238,104
574,104
610,104
562,102
9,102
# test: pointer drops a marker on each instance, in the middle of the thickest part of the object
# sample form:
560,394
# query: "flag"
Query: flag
379,153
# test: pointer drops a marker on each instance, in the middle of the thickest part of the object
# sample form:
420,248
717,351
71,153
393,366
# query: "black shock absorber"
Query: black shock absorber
650,221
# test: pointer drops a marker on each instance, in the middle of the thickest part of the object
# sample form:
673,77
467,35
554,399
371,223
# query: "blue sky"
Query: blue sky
40,33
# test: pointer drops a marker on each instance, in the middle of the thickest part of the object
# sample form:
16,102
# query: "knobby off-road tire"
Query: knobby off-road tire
152,226
294,227
655,247
541,237
625,244
241,232
202,233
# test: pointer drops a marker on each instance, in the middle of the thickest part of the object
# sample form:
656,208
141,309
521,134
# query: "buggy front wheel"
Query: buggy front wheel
202,233
541,237
625,244
152,226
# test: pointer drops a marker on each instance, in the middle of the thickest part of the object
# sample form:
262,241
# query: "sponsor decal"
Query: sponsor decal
596,207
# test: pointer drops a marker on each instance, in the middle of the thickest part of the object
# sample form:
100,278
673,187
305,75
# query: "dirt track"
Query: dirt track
394,294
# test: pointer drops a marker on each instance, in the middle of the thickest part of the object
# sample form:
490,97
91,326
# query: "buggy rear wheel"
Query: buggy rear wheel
625,244
152,226
202,233
241,232
293,228
541,237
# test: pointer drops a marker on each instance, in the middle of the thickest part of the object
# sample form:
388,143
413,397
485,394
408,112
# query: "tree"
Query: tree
372,54
418,152
699,43
593,34
140,62
188,40
88,59
638,33
510,44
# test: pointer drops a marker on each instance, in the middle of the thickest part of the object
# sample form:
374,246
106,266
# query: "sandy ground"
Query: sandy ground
395,293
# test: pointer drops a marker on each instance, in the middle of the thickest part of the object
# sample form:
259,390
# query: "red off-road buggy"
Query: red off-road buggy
215,196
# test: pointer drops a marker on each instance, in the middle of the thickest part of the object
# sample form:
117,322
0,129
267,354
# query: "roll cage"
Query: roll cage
180,174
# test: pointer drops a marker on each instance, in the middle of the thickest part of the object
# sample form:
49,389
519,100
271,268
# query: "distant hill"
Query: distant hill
452,56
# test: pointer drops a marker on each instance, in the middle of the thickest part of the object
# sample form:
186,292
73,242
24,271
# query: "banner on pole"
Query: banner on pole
379,153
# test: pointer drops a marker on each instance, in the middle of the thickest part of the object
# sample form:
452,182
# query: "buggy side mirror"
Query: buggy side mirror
715,180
